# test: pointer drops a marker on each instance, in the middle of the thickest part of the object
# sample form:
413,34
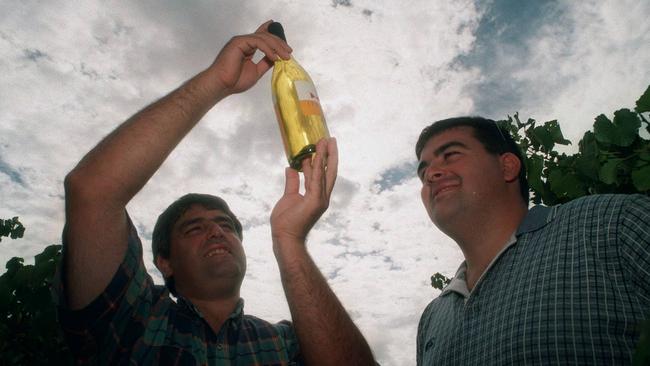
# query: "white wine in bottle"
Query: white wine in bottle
297,107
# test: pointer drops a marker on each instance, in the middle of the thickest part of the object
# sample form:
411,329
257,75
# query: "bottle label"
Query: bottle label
309,102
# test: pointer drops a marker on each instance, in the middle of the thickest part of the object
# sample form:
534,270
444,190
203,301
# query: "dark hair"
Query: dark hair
161,238
495,140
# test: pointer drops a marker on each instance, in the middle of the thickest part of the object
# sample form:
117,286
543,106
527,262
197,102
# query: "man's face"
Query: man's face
206,254
459,177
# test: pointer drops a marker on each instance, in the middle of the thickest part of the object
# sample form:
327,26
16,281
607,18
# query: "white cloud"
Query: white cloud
593,61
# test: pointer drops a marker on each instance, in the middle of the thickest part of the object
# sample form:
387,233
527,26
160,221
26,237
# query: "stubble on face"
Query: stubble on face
206,252
457,177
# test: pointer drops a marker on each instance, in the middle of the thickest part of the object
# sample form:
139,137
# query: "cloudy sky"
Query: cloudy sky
70,72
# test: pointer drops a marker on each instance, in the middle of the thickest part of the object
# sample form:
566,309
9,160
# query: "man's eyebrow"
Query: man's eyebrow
223,218
441,149
189,222
218,219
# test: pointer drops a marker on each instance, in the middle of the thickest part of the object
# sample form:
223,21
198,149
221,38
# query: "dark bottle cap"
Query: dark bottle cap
276,29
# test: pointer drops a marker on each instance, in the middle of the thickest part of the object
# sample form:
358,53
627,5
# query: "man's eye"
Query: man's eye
450,154
227,226
193,230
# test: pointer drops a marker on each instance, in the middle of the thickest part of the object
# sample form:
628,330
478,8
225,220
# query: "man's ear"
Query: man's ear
511,166
164,266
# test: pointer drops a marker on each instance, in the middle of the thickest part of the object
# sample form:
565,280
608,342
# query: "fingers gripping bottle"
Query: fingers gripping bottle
297,107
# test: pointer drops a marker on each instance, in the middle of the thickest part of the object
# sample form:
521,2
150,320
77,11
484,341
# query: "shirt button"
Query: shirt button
219,346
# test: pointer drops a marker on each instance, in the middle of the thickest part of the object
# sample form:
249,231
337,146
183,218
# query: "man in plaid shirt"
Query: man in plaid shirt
108,306
551,285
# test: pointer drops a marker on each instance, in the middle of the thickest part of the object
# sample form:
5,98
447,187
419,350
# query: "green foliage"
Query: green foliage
613,158
11,228
438,280
643,104
29,332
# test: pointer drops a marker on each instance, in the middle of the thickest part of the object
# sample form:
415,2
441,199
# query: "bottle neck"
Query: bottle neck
281,60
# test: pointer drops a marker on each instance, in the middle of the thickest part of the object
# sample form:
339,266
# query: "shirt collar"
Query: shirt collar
458,283
536,218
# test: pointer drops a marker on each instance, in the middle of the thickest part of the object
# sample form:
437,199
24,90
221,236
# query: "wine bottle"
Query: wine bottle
297,107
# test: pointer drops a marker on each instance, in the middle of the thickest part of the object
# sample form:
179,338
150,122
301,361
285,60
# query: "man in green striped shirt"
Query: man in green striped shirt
551,285
108,306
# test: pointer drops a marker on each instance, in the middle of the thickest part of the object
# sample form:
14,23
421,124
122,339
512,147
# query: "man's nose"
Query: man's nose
215,230
434,173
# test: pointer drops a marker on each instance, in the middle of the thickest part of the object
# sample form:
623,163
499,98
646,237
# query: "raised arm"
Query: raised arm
326,334
105,180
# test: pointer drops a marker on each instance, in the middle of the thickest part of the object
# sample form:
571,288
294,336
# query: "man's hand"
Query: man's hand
234,68
326,334
295,214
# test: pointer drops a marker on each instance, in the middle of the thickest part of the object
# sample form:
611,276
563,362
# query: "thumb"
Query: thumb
292,181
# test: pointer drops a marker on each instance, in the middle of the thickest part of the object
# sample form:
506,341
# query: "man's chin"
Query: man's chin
227,271
444,217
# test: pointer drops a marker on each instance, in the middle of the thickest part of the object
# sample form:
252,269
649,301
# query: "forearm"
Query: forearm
325,331
101,185
119,166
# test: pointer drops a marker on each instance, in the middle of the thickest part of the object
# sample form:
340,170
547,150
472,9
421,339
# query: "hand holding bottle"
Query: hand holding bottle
234,70
295,214
326,333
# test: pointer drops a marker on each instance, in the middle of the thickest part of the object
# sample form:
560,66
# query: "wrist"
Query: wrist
287,248
213,84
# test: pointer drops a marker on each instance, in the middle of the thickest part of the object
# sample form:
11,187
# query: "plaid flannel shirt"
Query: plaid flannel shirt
571,287
136,322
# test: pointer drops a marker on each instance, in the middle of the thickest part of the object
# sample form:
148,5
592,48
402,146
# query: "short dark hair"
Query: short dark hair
161,238
495,139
